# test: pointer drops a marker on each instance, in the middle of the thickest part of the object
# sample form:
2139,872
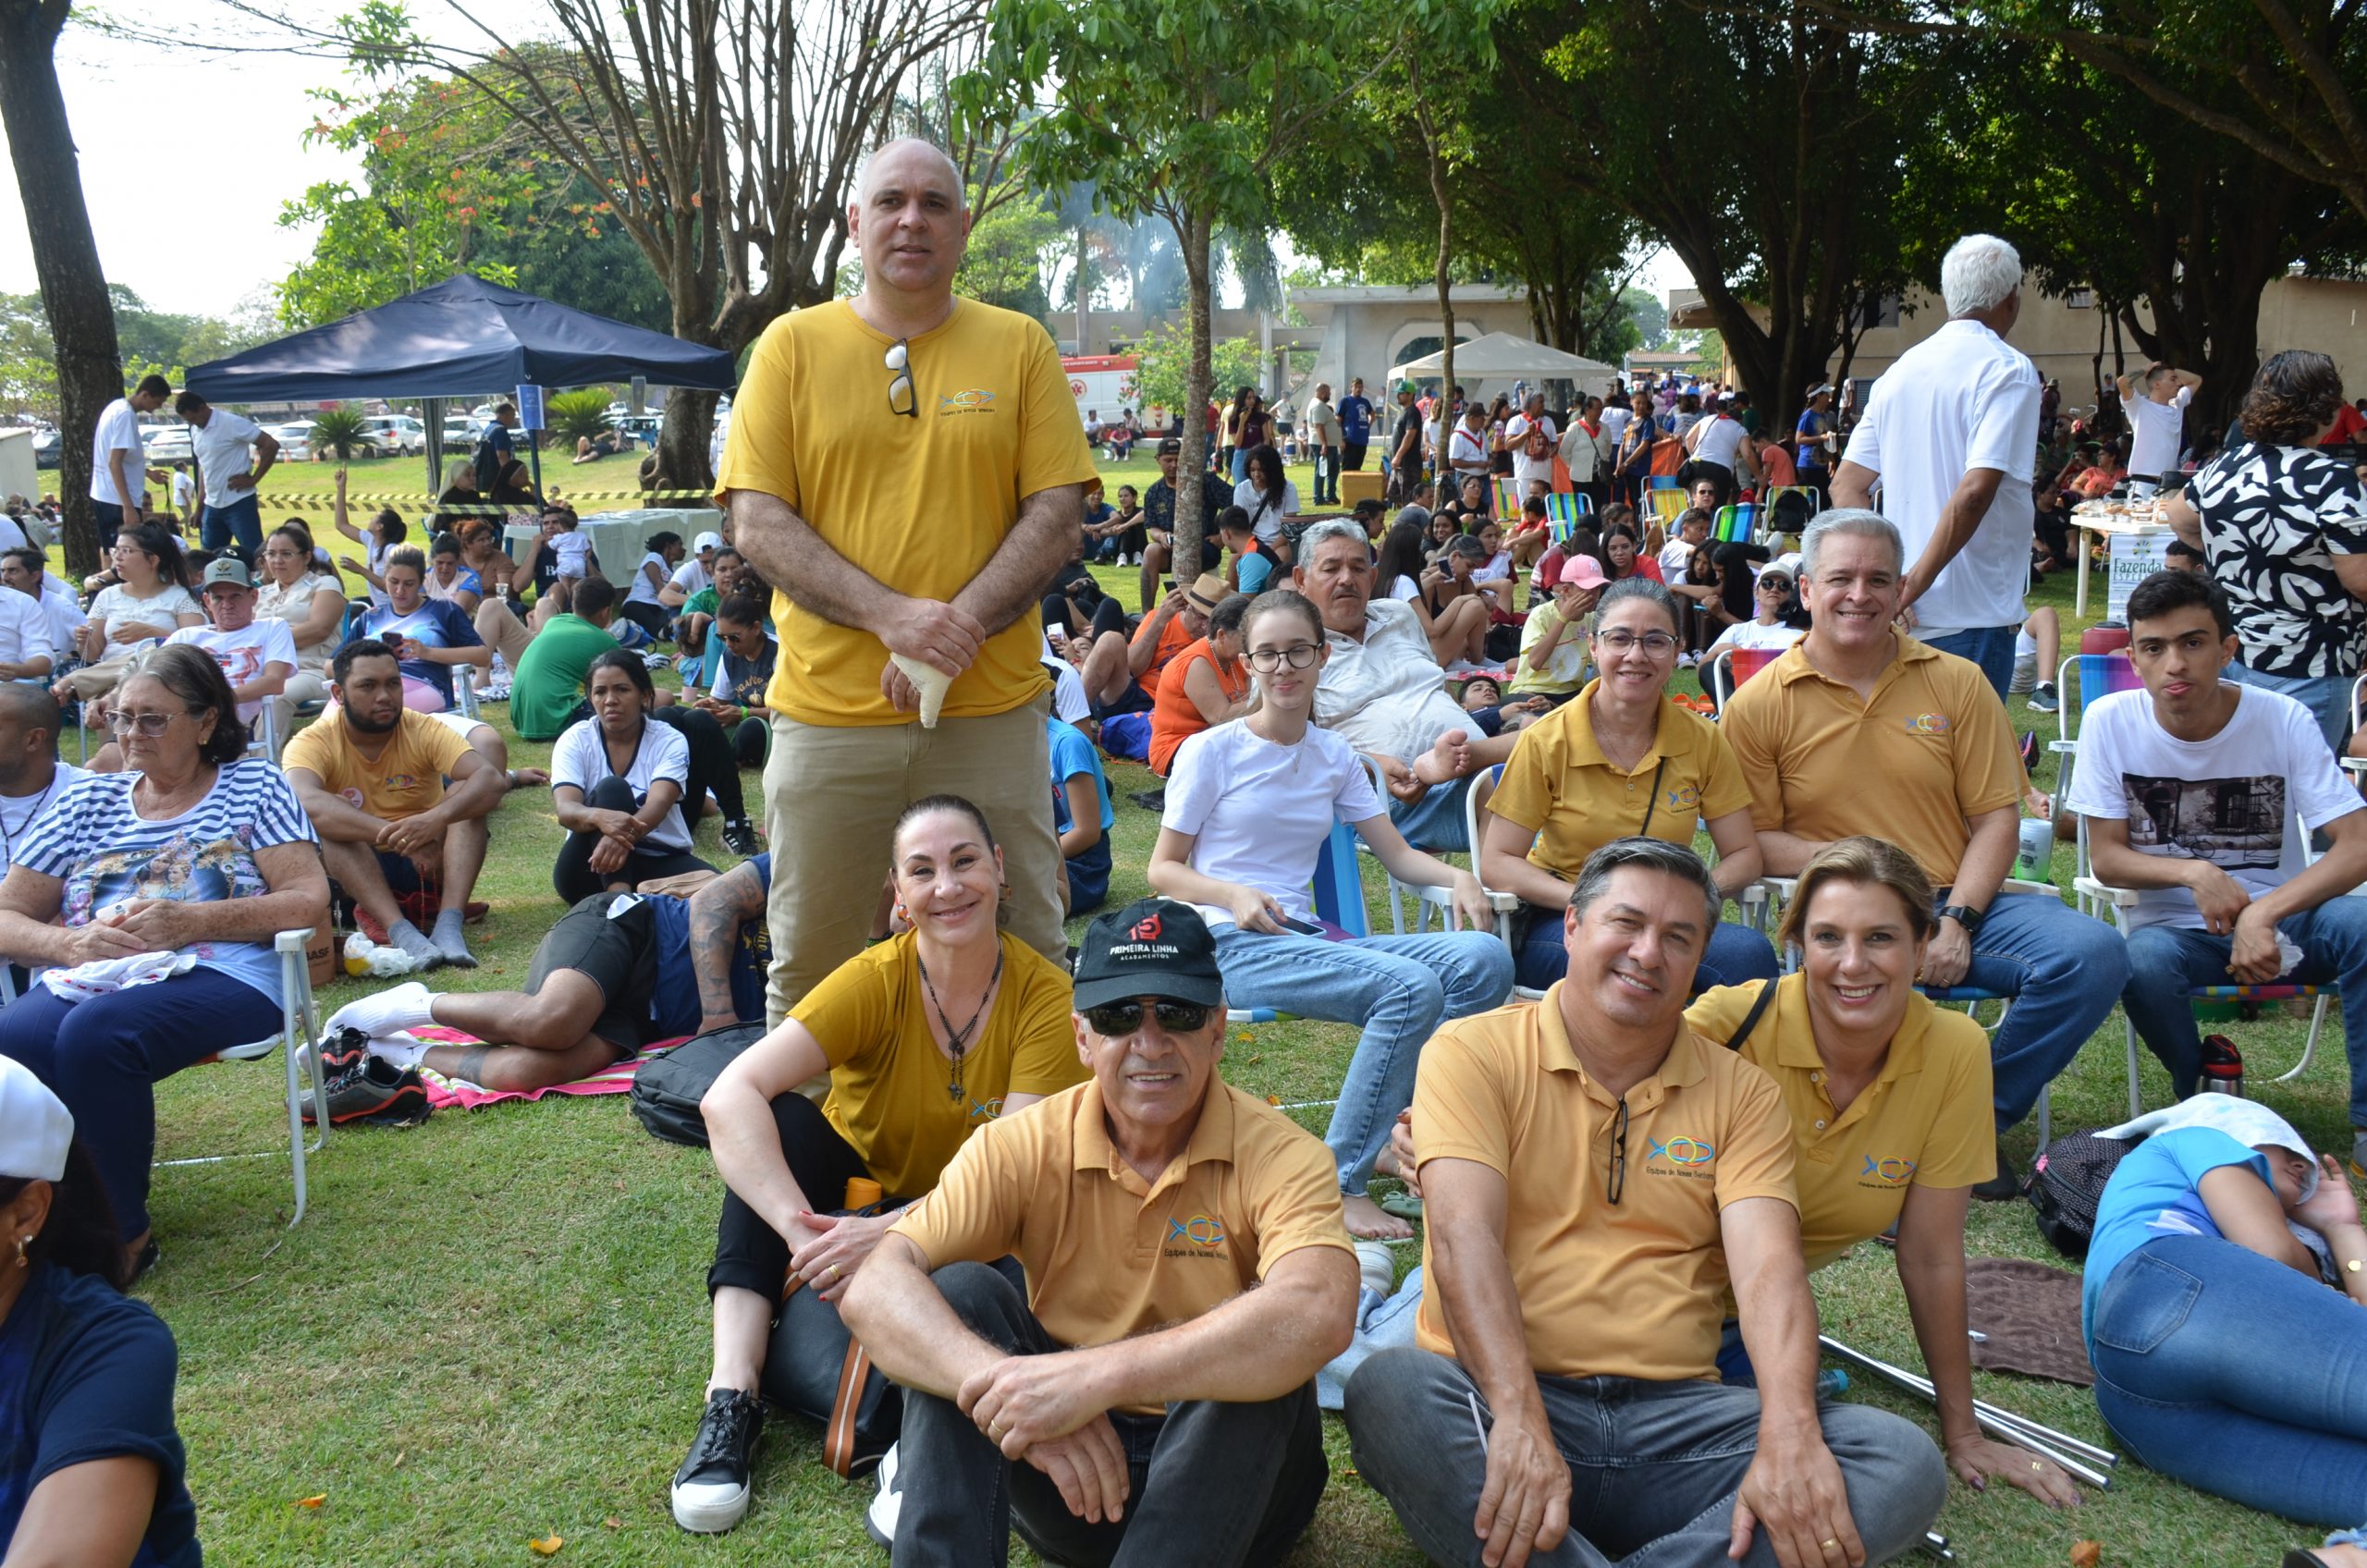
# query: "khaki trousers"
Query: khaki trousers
832,794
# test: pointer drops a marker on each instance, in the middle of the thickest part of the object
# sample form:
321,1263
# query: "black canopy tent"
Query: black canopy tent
455,340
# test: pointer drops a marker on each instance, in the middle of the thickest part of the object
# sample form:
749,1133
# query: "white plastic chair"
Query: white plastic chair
300,1035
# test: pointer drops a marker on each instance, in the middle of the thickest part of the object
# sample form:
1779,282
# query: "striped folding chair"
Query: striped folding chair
1563,511
1736,525
2083,680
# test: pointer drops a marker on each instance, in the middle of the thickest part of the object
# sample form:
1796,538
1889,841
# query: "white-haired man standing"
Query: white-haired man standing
908,469
1951,436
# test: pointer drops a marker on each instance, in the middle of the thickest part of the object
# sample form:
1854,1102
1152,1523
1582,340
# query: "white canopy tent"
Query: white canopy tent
1498,357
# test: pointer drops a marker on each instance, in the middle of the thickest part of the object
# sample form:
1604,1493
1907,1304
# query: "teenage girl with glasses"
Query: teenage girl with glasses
1249,804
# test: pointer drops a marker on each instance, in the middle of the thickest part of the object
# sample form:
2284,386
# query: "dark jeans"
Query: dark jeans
750,1254
1352,458
103,1056
1736,954
240,520
652,619
1211,1484
751,738
109,517
1327,476
714,764
571,874
1654,1467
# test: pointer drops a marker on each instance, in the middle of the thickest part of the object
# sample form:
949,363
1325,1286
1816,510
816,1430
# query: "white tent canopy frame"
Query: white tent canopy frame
1500,356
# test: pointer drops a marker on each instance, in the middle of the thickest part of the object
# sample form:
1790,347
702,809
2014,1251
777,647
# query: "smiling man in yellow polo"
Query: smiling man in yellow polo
1857,727
1187,1273
1593,1175
907,469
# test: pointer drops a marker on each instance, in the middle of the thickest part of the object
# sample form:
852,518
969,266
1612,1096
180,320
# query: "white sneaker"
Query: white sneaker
879,1519
1376,1266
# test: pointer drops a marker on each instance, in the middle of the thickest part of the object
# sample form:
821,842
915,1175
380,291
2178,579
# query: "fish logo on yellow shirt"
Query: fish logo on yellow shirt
1928,724
973,400
1888,1170
1681,798
1681,1151
1203,1230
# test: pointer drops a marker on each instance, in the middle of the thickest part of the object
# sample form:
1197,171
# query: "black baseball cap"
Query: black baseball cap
1152,947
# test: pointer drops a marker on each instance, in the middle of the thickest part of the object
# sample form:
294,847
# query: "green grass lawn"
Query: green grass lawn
493,1327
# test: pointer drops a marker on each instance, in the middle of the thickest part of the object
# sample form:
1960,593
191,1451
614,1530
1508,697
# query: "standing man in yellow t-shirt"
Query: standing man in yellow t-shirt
1595,1174
908,469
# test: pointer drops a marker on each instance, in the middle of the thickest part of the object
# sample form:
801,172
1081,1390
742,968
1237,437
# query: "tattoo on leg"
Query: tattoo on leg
467,1063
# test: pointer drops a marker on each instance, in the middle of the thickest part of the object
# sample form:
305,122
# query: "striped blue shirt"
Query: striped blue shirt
104,853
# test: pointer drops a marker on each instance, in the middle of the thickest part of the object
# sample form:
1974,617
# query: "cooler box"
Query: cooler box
1358,486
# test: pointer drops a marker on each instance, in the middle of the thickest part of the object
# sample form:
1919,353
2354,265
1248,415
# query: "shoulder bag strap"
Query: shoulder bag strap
1653,803
1750,1020
839,1437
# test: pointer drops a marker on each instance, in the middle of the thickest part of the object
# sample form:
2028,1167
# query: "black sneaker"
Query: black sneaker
711,1489
2005,1184
887,1503
373,1088
740,838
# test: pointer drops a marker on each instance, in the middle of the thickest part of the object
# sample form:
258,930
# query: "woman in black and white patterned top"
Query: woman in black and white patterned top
2284,527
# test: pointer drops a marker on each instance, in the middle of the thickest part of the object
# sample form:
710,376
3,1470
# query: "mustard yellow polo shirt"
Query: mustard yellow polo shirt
1108,1254
1630,1290
1929,749
920,504
1559,785
1924,1121
890,1084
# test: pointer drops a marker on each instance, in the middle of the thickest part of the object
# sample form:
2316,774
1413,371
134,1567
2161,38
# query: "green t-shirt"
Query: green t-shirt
701,602
549,682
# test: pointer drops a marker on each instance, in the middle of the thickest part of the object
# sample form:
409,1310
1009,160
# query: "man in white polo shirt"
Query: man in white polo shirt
2156,404
119,470
22,569
1532,437
228,472
1951,434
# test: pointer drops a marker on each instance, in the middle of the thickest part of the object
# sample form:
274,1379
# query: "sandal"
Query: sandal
1402,1205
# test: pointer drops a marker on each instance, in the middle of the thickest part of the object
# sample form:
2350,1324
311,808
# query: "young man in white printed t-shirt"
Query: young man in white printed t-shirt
2191,790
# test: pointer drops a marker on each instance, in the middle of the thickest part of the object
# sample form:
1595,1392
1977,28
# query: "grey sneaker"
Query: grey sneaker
2043,698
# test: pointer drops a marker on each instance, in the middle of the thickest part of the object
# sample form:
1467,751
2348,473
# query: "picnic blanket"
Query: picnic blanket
453,1094
2030,1316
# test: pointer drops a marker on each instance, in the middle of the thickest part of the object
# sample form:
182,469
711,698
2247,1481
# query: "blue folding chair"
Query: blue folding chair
1338,901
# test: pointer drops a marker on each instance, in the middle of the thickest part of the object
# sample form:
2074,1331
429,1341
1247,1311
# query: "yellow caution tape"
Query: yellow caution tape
286,501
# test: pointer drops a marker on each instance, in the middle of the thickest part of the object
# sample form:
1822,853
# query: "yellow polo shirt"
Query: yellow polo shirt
1559,785
406,779
1108,1254
1929,749
1631,1289
1924,1121
920,504
891,1083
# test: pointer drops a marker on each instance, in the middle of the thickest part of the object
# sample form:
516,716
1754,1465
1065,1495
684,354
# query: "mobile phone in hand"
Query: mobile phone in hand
1304,927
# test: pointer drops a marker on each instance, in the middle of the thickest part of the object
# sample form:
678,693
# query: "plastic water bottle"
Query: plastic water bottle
2223,1066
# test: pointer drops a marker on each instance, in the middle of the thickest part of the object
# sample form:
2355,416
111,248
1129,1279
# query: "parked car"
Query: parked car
166,443
460,433
397,435
48,447
295,440
640,428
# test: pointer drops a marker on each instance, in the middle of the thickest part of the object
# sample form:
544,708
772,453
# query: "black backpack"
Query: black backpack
666,1092
2067,1185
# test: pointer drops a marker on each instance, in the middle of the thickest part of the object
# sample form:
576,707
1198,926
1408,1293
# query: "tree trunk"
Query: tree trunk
66,257
1446,290
1192,231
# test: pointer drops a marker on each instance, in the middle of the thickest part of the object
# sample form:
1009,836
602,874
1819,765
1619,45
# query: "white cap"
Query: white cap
35,1126
710,540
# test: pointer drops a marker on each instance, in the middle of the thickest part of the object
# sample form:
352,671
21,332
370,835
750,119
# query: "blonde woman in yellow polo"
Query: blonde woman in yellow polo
1888,1097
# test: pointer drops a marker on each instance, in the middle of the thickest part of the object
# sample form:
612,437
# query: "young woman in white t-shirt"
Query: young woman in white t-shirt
148,602
664,551
1776,599
617,780
1249,805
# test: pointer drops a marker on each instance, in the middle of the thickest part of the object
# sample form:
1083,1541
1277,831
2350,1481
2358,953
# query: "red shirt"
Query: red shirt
2347,424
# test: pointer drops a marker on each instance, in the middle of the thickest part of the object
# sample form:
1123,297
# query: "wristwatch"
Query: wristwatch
1964,915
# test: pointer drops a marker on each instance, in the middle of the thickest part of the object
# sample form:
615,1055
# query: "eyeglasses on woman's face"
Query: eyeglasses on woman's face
151,725
1298,656
1619,640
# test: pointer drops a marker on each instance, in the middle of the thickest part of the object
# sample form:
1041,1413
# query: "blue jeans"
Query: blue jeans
2166,961
1991,647
104,1055
1240,464
1736,956
1398,989
1435,822
2180,1377
2326,696
241,520
1382,1323
1653,1466
2063,971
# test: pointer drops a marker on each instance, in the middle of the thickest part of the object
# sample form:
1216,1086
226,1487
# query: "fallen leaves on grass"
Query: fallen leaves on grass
2087,1554
612,1523
547,1547
313,1501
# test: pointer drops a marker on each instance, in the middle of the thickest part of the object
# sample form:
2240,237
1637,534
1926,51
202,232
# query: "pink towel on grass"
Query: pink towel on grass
449,1094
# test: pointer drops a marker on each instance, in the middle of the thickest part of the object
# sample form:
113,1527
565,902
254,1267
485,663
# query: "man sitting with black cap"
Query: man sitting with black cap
1144,1206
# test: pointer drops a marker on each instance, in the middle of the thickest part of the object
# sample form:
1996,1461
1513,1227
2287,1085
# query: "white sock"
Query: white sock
400,1049
408,1005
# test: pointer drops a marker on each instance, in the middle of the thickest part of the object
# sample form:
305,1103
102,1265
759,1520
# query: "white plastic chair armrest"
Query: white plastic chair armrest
2119,898
2019,885
2356,765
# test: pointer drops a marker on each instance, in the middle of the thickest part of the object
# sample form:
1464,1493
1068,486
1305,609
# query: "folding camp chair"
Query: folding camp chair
1735,665
2081,680
1665,507
1563,511
1787,510
1338,901
298,1038
1736,525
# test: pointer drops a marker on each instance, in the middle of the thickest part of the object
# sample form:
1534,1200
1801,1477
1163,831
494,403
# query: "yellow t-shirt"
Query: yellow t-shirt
407,778
1631,1289
889,1095
920,504
1108,1254
1559,785
1929,750
1924,1121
